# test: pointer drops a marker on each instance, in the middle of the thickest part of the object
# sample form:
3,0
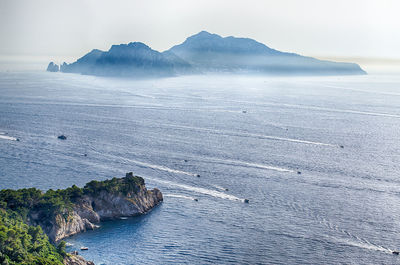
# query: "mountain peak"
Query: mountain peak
204,35
131,45
138,44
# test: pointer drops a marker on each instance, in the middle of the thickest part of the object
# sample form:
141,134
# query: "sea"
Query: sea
317,158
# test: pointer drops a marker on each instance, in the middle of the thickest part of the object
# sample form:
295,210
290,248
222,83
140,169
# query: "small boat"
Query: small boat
246,200
244,111
299,172
341,146
198,175
123,218
84,248
196,200
226,189
395,252
185,160
62,137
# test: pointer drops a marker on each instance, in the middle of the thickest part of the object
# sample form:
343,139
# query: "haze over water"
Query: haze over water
245,136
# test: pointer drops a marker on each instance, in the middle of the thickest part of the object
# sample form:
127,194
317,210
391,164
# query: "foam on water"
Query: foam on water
178,196
347,237
153,166
213,193
6,137
361,245
247,164
162,168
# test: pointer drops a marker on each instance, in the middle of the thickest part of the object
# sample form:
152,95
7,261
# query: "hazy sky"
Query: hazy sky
70,28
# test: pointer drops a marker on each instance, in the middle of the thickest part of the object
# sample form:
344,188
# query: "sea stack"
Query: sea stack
52,67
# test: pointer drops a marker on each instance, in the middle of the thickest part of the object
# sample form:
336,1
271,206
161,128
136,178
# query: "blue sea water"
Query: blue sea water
246,136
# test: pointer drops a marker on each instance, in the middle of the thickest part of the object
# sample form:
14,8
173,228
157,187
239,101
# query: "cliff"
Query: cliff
52,67
76,260
54,215
96,202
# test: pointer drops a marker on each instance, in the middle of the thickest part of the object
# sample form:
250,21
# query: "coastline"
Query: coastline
62,213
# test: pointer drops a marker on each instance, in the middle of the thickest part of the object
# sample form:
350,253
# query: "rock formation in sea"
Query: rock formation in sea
52,67
203,53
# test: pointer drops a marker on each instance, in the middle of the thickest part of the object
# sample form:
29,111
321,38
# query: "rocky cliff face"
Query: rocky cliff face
76,260
122,198
52,67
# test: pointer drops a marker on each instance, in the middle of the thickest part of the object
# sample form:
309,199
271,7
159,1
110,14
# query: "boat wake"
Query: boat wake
348,237
359,244
153,166
340,110
246,164
6,137
179,196
159,167
213,193
241,134
220,188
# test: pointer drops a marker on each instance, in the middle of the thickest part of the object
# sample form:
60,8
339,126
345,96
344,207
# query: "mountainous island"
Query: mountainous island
32,223
202,53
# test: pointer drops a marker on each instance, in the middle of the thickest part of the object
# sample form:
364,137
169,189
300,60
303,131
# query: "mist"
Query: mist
37,31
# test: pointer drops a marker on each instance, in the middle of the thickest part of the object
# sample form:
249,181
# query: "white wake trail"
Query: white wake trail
248,164
6,137
178,196
339,110
153,166
261,136
213,193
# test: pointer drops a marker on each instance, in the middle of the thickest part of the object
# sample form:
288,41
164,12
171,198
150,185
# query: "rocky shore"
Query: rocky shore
63,213
98,205
73,259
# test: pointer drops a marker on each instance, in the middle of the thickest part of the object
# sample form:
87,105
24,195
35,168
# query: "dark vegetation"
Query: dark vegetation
24,244
21,243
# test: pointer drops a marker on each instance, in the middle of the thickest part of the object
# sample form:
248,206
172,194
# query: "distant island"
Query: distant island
32,223
202,53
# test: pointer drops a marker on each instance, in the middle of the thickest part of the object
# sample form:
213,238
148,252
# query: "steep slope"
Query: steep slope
199,54
212,53
63,213
135,59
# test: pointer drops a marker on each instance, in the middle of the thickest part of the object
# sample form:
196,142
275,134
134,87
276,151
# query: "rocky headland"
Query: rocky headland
62,213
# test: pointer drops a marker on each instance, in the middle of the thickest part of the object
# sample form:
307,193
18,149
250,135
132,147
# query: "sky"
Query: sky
322,28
